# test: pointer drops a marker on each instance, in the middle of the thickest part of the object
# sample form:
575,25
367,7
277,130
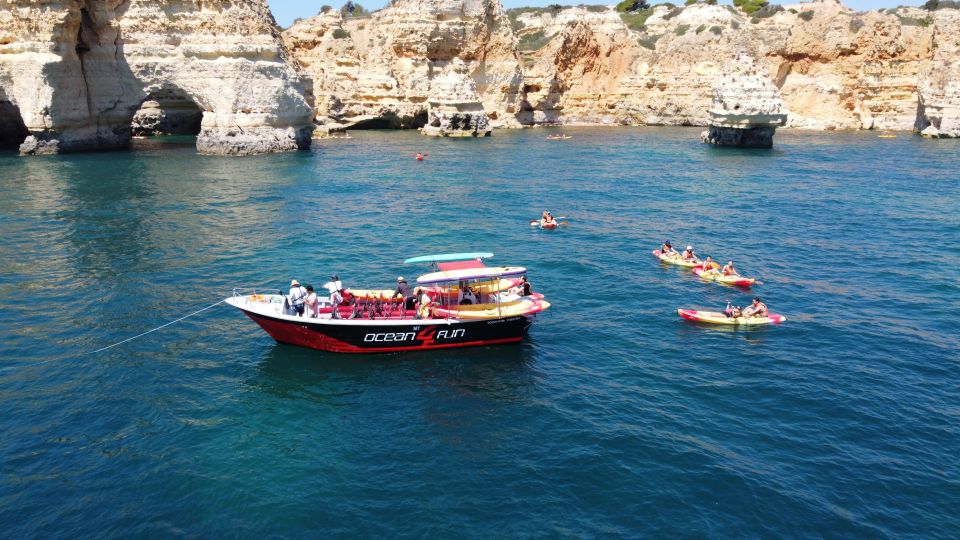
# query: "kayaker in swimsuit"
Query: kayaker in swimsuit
547,220
732,311
688,255
708,268
729,270
419,156
756,309
667,249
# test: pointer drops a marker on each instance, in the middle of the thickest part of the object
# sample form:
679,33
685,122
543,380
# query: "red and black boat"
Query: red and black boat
373,322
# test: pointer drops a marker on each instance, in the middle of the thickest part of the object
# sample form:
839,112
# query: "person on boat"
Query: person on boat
689,255
335,288
296,297
667,249
523,288
469,295
756,309
423,303
312,303
404,292
708,268
729,270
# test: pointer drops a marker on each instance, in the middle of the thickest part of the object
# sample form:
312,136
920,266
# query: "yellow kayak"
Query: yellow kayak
677,260
716,317
717,277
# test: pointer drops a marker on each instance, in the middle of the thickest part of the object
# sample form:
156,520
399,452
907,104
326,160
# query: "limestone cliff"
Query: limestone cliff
382,67
833,68
746,108
75,72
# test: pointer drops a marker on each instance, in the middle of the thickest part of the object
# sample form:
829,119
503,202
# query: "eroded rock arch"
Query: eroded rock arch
79,81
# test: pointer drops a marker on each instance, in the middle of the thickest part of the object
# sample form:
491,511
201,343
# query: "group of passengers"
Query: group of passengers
303,301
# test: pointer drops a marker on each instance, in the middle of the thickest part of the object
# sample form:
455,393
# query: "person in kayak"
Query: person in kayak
756,309
689,256
732,311
729,270
709,268
403,291
667,249
296,297
547,220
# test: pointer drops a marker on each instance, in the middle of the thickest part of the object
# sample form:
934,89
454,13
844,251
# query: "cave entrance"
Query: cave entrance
167,112
12,129
391,121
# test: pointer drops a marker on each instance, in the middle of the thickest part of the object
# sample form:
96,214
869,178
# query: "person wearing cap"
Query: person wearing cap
689,255
729,270
756,309
667,249
335,288
297,297
403,291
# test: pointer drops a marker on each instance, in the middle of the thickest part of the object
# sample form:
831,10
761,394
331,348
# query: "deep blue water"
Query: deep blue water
614,419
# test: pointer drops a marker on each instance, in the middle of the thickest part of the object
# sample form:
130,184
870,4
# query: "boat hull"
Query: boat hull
373,336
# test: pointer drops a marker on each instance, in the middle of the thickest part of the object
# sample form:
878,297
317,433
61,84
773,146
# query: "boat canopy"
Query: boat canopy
446,257
471,273
460,265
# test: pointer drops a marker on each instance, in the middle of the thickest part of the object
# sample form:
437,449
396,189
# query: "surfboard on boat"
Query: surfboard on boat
466,274
716,317
491,311
446,257
677,260
485,287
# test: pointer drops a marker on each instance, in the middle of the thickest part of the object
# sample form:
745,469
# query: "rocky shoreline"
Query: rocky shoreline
90,74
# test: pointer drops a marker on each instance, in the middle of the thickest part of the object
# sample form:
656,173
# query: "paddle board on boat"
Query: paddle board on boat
445,257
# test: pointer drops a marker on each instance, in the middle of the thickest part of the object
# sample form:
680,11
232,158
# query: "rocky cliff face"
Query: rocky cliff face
746,108
76,71
382,68
833,68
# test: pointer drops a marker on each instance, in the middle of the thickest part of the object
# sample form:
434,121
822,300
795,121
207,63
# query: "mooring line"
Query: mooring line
162,326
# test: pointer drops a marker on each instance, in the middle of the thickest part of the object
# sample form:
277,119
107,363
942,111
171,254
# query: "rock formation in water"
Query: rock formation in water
380,70
455,109
746,109
939,111
75,72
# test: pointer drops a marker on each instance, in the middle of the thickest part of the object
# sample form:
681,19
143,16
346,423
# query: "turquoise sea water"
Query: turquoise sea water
615,418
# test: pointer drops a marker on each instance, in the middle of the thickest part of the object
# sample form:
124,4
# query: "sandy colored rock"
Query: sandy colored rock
77,71
381,68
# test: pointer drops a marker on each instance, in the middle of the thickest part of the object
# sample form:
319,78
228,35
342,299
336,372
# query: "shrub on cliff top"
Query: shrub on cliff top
806,15
707,2
933,5
766,11
716,30
649,42
353,9
340,33
627,6
913,21
681,29
674,11
636,21
325,8
749,6
592,8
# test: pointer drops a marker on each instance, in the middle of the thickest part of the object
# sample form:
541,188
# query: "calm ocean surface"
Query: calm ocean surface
615,418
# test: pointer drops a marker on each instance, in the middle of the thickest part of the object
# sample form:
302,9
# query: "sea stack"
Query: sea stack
746,110
74,74
455,109
938,113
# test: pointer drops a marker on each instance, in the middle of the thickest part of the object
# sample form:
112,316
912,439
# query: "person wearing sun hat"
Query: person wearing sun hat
297,297
403,291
